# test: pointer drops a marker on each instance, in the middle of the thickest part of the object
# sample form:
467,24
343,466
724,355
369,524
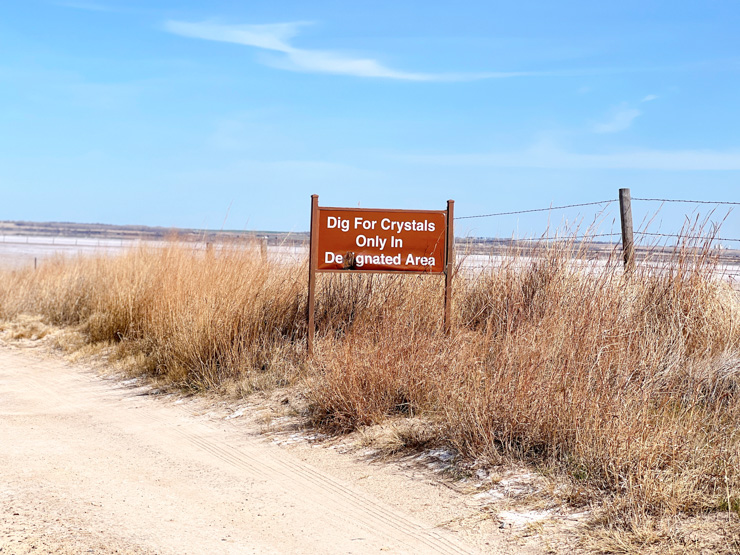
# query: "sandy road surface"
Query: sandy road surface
92,465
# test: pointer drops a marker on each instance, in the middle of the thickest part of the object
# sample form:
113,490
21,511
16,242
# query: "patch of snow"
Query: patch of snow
443,455
437,460
514,518
236,414
490,495
515,484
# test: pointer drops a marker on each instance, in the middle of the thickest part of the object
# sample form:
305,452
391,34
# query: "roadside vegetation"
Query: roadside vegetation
626,386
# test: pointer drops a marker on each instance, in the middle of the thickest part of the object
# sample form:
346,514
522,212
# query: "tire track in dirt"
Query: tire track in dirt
319,512
374,516
364,510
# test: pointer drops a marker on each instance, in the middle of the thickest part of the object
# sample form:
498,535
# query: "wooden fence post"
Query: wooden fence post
449,266
625,213
313,259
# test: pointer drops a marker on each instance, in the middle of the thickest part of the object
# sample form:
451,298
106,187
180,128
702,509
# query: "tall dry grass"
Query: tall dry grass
626,383
198,318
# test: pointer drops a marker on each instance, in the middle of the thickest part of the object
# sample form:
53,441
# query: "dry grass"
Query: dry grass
199,319
625,384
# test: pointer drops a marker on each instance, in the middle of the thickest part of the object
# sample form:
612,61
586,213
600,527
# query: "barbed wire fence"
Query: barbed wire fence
710,238
602,203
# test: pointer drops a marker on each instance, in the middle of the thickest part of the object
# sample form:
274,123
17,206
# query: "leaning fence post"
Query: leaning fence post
625,213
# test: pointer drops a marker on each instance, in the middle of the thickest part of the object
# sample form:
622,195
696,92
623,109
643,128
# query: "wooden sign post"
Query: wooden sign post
370,240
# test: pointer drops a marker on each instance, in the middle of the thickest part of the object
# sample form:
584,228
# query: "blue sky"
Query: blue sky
226,114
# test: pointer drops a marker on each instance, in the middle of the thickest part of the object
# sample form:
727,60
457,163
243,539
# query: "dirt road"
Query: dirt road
89,464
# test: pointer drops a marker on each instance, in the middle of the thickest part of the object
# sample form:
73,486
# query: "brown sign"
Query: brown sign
381,240
372,240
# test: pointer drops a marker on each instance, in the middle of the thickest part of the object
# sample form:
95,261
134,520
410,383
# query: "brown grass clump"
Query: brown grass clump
628,384
625,383
199,318
622,381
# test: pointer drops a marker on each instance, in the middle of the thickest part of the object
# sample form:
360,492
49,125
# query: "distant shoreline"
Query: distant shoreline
133,232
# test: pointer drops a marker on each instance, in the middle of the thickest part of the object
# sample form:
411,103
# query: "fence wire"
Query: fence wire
688,201
566,238
709,237
535,210
606,202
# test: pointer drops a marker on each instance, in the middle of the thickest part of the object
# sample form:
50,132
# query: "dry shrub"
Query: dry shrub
380,365
368,303
224,316
627,383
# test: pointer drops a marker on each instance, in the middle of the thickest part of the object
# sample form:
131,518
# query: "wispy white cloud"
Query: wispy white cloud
276,38
649,98
619,119
549,156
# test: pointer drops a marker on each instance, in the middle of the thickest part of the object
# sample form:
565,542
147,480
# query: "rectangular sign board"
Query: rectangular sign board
375,240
